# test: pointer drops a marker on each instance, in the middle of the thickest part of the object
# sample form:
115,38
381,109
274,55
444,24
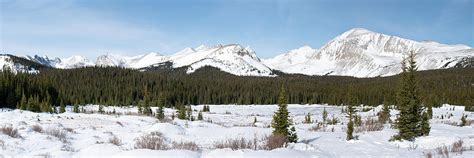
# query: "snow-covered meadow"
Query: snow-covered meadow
115,135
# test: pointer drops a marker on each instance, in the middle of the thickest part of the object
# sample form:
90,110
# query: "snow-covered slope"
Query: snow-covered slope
363,53
45,60
73,62
66,63
231,58
90,134
6,62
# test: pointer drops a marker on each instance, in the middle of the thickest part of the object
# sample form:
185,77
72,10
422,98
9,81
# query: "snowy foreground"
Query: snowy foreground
90,135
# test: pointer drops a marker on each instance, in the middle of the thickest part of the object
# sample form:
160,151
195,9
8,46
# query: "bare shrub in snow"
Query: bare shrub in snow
235,144
319,127
185,146
428,154
442,151
115,140
56,132
153,141
70,130
457,146
369,125
37,128
274,141
10,131
45,155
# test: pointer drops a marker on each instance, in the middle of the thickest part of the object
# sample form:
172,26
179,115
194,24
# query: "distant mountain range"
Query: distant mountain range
357,52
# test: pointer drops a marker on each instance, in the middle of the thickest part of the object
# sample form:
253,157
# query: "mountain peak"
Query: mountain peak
355,32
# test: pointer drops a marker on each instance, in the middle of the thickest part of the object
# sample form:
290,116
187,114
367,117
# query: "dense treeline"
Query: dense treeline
119,86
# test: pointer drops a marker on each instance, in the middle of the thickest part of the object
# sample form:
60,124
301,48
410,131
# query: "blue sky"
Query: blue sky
91,27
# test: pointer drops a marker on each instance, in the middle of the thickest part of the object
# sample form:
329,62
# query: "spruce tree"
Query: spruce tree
101,109
325,115
76,108
199,117
425,124
292,137
181,112
430,111
62,108
160,112
408,102
350,124
23,102
281,121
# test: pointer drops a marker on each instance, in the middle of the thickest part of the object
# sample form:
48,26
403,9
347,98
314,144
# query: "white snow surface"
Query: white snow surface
363,53
87,135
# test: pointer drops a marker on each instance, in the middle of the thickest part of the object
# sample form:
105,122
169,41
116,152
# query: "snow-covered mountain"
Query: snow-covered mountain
357,52
16,64
363,53
66,63
232,58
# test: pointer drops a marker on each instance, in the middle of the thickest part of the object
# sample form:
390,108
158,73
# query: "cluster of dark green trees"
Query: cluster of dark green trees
120,87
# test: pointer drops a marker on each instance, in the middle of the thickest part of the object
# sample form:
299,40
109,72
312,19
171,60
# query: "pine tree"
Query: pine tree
160,112
101,109
350,124
181,112
325,115
463,120
140,107
408,102
425,124
292,137
430,111
281,121
76,108
62,108
199,117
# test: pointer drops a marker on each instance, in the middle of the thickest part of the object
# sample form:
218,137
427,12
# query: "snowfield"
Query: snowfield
91,135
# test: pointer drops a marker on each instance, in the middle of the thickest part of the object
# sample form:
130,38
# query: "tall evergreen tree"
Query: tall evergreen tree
350,124
281,120
76,108
199,117
160,112
425,124
325,115
62,108
409,102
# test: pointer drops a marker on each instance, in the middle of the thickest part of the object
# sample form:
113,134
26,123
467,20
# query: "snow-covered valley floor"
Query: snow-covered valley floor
115,135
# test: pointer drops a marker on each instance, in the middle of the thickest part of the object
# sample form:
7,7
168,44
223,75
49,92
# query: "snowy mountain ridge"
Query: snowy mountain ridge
363,53
232,58
357,52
